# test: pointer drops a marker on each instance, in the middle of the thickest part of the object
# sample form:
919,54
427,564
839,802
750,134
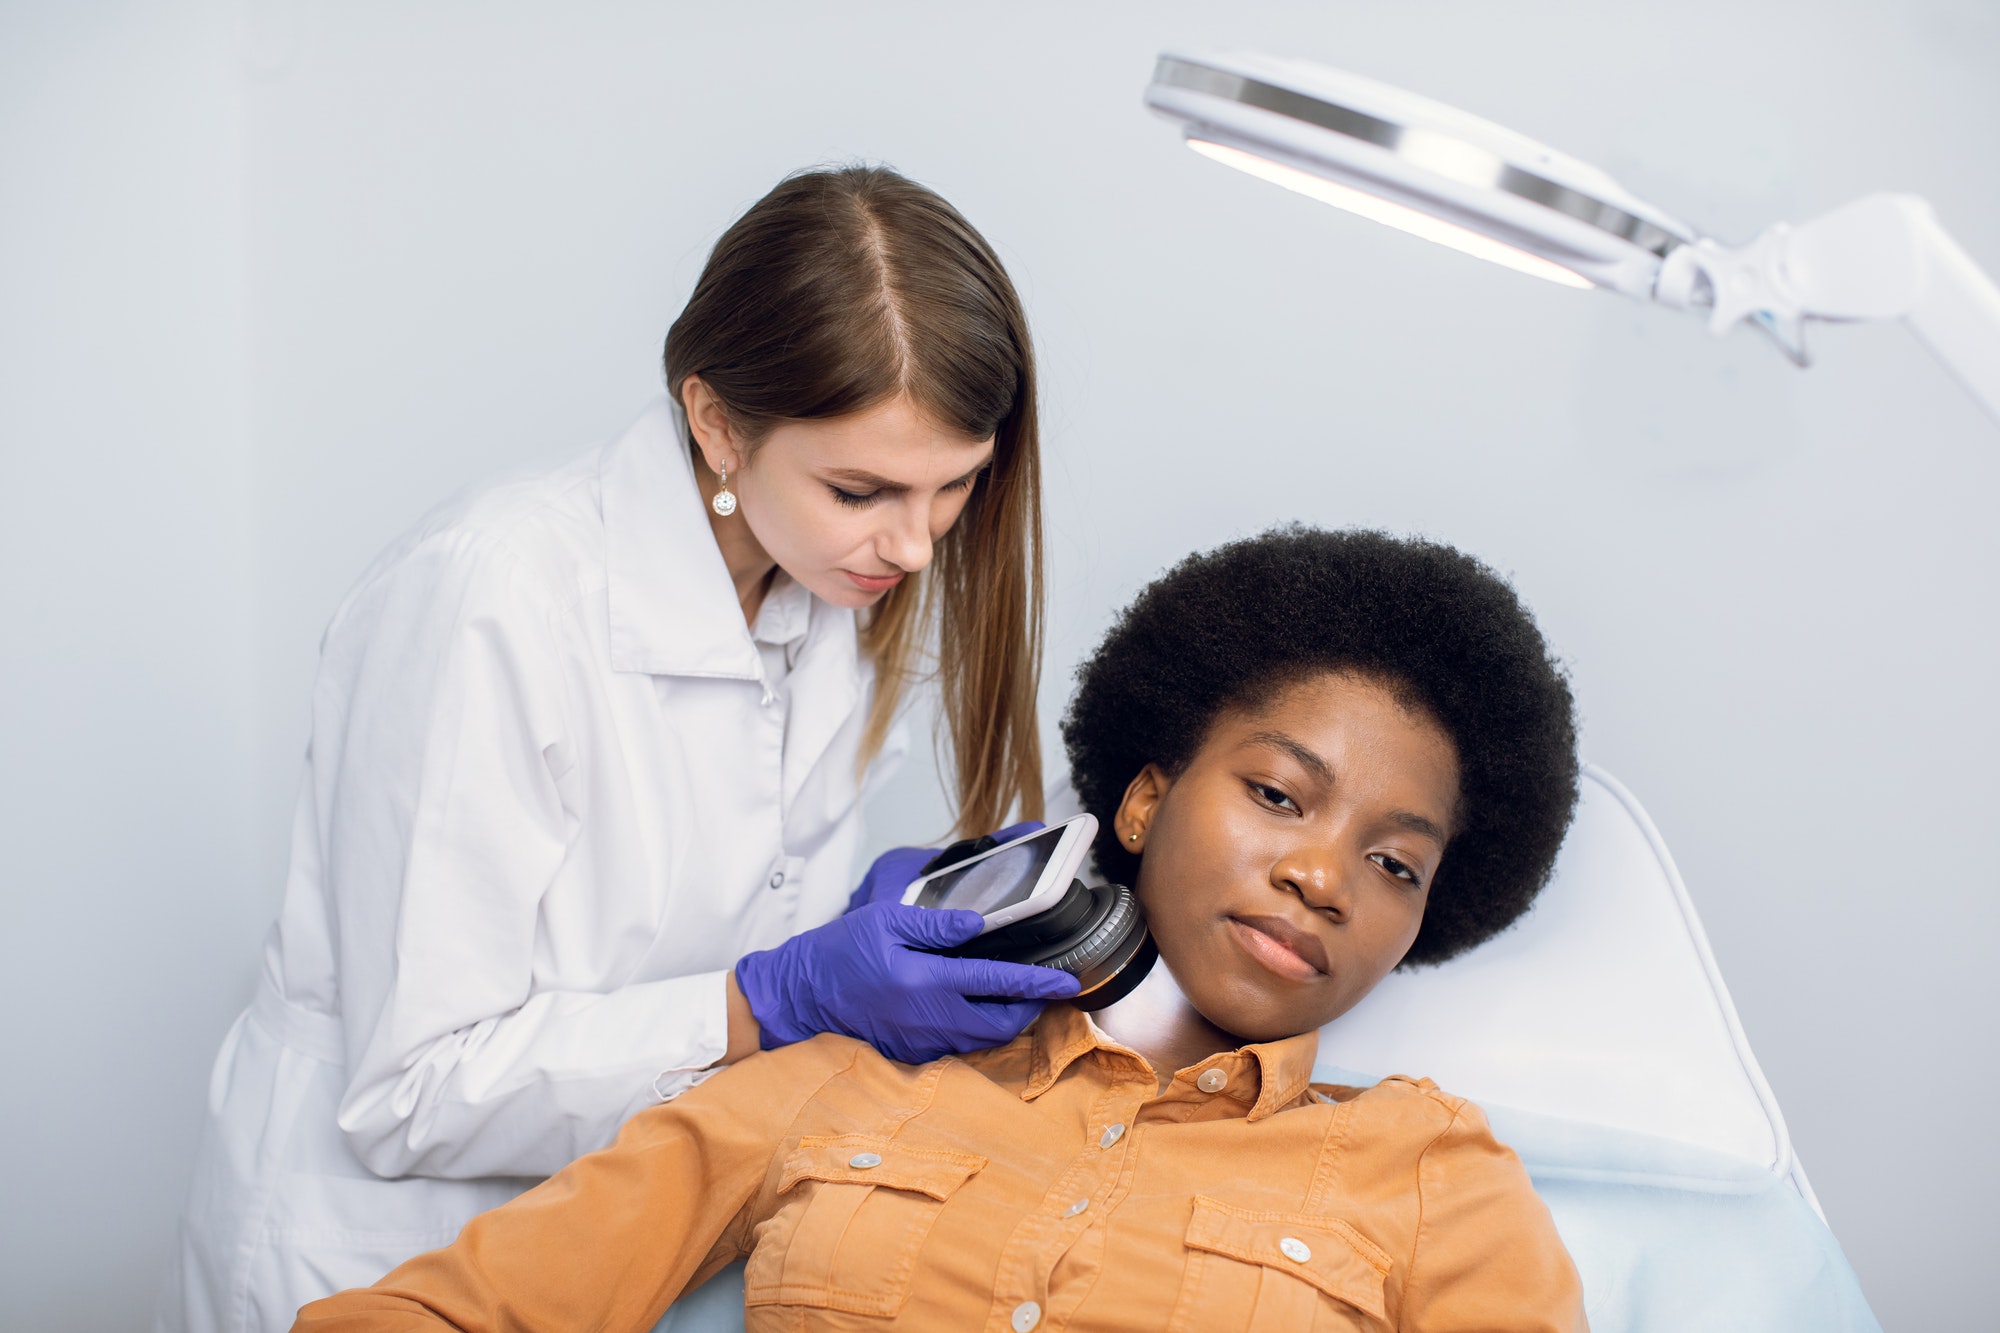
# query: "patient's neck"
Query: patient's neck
1157,1021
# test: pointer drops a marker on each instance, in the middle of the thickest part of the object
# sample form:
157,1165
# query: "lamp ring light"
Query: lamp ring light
1477,187
1465,162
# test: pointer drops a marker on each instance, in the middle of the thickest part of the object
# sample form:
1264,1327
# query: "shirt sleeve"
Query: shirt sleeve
442,741
1487,1254
618,1235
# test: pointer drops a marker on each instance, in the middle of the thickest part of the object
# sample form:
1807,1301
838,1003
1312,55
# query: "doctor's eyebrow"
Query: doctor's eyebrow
856,477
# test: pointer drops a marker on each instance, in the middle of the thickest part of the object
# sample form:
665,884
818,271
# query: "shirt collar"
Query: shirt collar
1267,1076
785,614
673,607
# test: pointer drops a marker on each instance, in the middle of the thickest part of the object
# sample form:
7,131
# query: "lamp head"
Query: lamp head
1467,183
1417,165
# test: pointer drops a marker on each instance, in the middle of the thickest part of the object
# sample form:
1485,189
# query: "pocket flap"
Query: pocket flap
865,1159
1324,1251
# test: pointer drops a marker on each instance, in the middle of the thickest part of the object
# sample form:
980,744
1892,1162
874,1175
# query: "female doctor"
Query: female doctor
589,753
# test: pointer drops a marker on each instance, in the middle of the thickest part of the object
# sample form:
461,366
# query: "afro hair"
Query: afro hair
1226,629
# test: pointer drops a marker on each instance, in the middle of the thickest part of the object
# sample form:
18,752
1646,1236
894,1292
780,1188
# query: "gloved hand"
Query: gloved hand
893,870
865,975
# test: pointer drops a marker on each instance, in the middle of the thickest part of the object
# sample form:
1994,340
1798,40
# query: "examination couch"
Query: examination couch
1601,1041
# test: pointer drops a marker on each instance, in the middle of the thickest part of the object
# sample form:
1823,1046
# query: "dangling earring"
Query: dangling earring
724,504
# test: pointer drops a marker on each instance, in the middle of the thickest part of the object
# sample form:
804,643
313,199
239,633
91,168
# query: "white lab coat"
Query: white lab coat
551,797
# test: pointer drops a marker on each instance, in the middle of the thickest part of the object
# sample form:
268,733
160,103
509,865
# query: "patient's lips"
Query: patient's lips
1294,954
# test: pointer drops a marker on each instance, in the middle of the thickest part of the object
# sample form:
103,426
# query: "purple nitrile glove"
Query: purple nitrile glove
866,975
890,875
894,869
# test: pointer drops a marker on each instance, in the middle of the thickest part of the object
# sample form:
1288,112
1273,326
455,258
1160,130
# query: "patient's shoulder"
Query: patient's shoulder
1415,1103
853,1086
797,1069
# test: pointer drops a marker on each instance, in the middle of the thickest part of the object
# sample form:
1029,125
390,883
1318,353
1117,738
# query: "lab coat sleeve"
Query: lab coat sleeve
611,1241
443,760
1487,1254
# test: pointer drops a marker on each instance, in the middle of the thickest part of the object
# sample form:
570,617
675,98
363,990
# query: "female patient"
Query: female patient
1316,756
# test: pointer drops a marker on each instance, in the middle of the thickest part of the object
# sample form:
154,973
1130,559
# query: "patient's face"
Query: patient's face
1286,868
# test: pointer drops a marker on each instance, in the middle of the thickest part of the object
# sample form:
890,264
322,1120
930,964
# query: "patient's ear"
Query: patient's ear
1142,801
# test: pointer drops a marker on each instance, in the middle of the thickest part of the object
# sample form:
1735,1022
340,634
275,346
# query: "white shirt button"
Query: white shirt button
1026,1315
1295,1249
861,1161
1076,1208
777,879
1212,1080
1112,1133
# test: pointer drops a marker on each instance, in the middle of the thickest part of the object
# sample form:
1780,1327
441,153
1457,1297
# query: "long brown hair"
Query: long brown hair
844,287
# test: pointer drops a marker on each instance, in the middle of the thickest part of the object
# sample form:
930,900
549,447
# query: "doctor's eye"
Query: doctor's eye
856,499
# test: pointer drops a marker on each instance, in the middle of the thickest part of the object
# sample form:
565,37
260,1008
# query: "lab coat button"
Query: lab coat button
777,879
1026,1315
1295,1249
861,1161
1112,1133
1212,1080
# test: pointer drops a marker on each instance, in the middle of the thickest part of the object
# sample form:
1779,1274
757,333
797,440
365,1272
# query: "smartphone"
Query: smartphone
1013,881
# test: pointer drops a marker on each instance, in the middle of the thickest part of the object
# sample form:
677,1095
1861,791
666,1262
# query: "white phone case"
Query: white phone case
1071,852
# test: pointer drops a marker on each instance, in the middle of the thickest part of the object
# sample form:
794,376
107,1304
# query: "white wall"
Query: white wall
276,278
129,899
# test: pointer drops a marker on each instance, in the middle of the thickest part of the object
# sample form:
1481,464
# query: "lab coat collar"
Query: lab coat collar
673,608
1270,1075
786,613
825,686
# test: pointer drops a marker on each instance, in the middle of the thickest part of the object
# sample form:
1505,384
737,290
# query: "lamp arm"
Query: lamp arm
1884,256
1957,316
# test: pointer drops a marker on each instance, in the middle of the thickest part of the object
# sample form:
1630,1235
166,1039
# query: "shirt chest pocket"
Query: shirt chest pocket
855,1212
1291,1271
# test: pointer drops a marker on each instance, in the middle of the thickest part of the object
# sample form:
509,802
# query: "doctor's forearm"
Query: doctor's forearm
526,1092
745,1036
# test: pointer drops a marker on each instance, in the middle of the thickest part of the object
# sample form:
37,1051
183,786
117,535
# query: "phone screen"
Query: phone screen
1001,880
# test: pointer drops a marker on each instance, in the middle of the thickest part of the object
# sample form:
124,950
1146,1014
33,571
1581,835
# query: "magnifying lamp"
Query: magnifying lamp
1436,172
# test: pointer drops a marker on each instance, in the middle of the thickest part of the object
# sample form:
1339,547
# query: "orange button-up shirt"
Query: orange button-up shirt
1046,1184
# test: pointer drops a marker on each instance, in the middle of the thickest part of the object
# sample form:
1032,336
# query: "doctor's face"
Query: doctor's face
1284,871
850,506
